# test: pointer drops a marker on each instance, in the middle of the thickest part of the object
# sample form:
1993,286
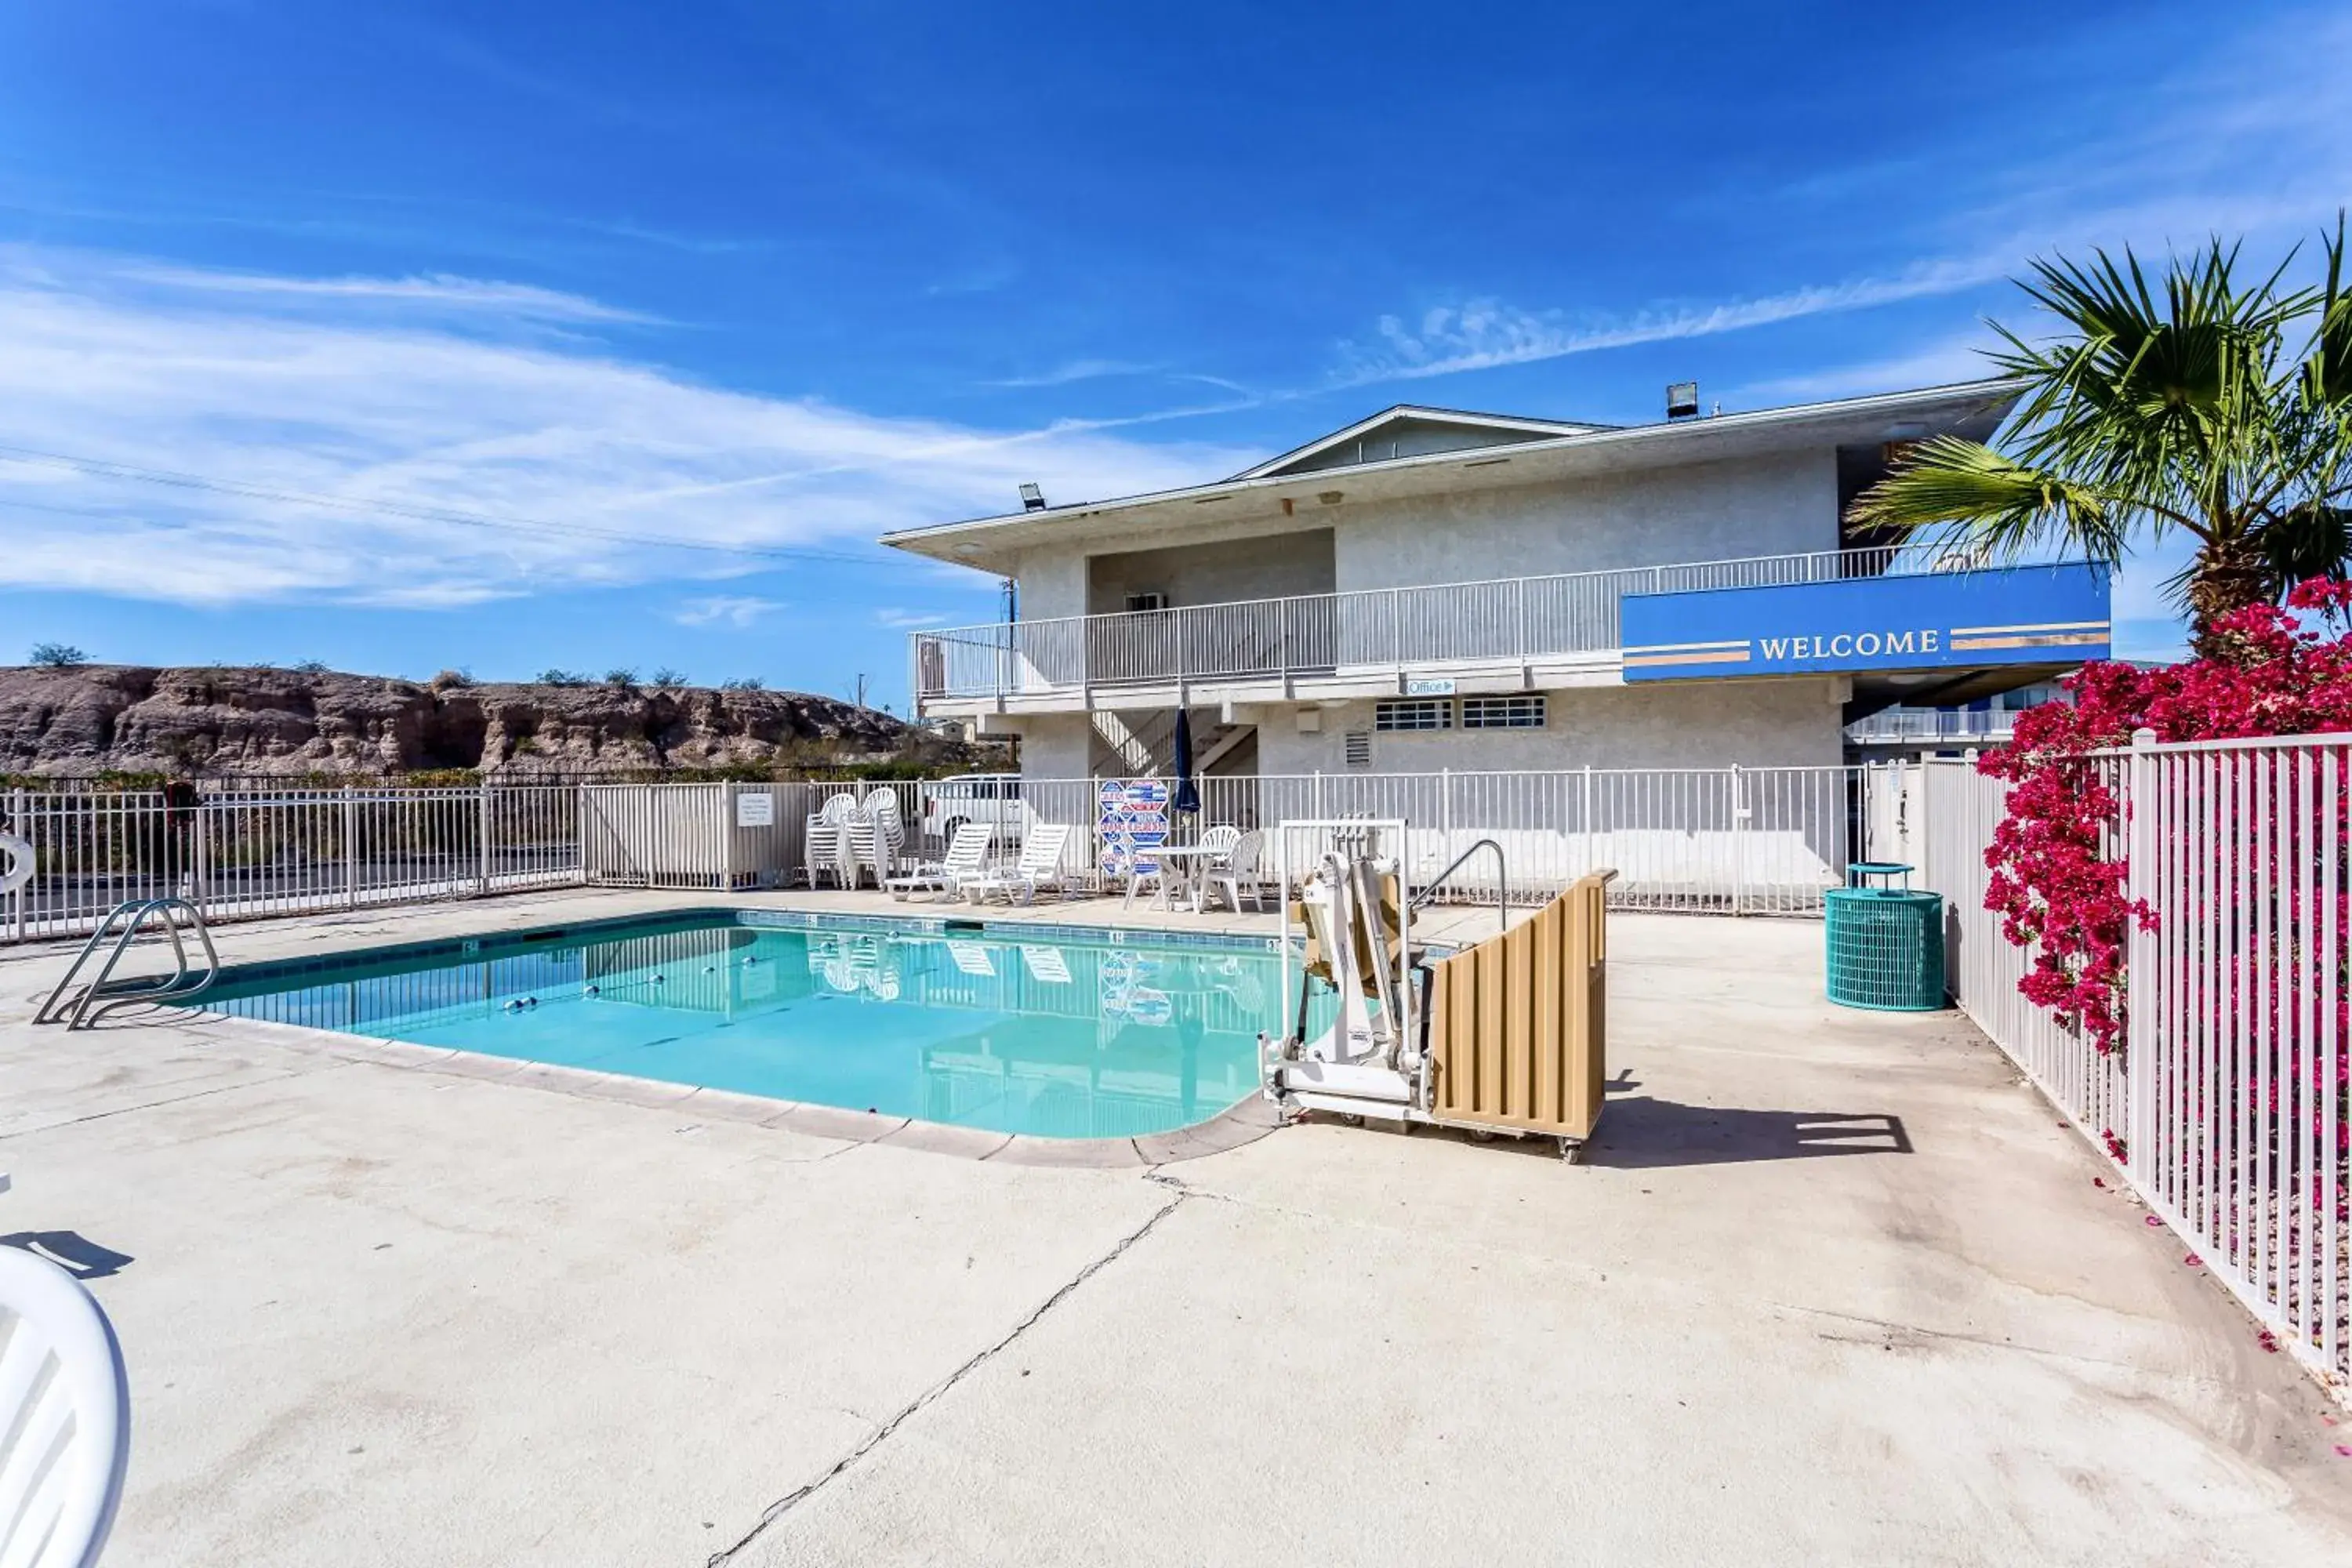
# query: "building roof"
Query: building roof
1439,430
1281,489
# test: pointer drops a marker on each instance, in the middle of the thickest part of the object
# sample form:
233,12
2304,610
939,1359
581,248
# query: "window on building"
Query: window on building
1155,600
1360,749
1526,712
1413,713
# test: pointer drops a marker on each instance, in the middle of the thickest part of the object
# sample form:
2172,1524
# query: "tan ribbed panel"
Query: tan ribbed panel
1517,1025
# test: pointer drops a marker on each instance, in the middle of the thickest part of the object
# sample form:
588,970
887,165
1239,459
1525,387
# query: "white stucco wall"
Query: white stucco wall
1052,582
1056,745
1701,724
1763,505
1769,505
1275,566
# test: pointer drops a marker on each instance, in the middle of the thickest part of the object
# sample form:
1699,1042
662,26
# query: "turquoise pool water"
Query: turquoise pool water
1016,1032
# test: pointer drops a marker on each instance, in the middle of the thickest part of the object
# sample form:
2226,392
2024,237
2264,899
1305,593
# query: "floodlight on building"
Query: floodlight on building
1032,499
1682,400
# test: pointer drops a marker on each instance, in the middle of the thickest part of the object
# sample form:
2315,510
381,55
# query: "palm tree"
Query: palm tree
2193,412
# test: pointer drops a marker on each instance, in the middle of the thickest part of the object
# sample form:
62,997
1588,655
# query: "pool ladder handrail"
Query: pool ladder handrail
1502,882
132,915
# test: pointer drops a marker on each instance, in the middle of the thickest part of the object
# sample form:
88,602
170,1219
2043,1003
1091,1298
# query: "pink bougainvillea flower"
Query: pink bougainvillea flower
2152,1220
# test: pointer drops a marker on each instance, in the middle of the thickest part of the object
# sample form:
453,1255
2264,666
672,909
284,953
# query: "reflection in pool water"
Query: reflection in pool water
1046,1036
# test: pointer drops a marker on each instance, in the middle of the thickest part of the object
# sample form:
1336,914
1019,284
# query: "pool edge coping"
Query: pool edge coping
741,917
1238,1124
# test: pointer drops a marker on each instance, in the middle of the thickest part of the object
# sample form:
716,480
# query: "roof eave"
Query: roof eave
2000,389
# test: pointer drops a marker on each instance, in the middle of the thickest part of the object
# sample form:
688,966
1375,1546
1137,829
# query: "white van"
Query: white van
993,798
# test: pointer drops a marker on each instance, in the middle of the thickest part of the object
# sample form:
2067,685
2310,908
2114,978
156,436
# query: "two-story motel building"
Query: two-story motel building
1431,589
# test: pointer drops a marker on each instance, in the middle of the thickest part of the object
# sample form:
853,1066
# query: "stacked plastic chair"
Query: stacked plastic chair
881,808
822,851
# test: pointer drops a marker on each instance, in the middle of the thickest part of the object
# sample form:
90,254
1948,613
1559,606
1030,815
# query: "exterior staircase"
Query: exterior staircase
1137,743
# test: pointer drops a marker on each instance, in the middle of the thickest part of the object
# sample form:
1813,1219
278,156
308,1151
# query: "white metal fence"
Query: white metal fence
1725,840
242,852
2228,1100
1732,840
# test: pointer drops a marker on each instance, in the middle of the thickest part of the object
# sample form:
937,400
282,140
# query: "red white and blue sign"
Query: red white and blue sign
1935,620
1131,816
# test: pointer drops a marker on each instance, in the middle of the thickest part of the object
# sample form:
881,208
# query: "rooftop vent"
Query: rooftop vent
1032,499
1682,400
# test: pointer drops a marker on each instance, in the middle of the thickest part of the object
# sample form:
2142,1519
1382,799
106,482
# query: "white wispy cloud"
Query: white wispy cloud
1076,369
1481,335
2248,138
392,401
732,609
899,620
440,289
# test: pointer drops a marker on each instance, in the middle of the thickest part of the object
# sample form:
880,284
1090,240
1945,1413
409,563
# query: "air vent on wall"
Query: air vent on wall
1360,749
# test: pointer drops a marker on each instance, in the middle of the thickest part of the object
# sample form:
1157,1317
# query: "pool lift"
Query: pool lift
1355,924
1379,1056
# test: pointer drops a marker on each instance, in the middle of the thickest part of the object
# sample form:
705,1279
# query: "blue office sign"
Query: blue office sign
1939,620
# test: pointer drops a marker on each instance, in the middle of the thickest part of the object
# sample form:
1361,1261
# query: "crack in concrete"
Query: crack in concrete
882,1433
172,1100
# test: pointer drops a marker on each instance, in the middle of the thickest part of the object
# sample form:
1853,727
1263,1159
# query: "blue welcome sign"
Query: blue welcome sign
1939,620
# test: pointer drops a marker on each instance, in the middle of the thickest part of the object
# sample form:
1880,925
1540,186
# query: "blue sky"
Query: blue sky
774,278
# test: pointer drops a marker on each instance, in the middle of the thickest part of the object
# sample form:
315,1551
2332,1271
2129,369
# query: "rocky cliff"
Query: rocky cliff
93,719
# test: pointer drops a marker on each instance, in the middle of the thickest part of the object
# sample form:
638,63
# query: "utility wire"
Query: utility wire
103,469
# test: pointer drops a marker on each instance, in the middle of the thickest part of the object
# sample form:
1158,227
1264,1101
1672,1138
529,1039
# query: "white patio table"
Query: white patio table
1188,864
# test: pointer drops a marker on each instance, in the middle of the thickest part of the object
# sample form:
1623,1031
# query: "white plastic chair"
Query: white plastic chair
821,853
862,853
878,850
967,856
1156,874
1040,865
1239,867
65,1417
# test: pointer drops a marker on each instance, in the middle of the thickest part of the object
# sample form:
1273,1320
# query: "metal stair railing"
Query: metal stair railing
131,916
1502,882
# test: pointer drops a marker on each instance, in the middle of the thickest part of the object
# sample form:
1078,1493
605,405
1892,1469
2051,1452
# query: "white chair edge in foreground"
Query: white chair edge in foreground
65,1417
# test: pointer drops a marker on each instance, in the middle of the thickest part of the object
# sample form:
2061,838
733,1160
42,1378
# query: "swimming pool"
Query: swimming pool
1060,1032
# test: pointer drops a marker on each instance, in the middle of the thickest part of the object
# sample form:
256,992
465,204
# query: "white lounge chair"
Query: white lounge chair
972,959
967,857
1240,867
1040,865
64,1416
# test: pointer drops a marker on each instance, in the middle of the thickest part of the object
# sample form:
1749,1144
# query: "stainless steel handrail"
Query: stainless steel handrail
1502,882
132,914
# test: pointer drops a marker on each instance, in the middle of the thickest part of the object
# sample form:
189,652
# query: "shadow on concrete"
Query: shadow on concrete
1642,1133
69,1250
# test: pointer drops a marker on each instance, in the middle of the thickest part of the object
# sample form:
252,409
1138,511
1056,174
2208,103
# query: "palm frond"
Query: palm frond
2312,540
1967,487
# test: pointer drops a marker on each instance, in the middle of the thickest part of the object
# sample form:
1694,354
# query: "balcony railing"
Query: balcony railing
1501,621
1917,724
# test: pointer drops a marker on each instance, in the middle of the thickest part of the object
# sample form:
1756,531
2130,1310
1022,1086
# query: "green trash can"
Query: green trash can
1885,943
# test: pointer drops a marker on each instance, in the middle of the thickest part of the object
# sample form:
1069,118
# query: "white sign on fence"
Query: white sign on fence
1429,687
757,809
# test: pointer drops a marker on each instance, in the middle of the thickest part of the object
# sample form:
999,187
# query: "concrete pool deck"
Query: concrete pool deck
1834,1287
